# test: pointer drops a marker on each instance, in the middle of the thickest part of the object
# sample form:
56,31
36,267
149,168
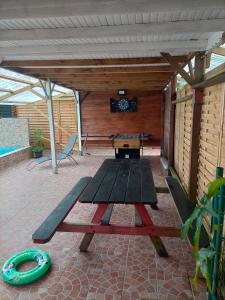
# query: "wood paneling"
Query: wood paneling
97,118
64,117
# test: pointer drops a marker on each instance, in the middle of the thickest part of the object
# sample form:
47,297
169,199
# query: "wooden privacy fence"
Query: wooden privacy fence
212,135
65,119
183,124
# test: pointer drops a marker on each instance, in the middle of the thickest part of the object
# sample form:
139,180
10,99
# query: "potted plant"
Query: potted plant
38,145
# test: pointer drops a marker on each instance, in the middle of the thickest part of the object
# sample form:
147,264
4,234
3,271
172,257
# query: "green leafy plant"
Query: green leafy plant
38,141
202,210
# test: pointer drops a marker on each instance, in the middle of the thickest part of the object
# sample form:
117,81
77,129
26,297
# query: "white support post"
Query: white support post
51,126
77,99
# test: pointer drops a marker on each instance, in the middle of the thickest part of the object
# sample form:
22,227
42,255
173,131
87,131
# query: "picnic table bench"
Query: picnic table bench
118,181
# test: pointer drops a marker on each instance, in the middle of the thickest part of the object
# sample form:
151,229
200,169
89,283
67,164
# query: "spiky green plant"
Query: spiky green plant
203,210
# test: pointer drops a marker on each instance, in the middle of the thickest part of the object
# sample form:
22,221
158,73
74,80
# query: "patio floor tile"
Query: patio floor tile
115,267
140,285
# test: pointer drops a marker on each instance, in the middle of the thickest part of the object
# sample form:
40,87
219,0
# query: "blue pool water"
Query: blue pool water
4,150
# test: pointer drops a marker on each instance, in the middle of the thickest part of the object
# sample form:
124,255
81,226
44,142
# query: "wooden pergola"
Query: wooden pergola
106,45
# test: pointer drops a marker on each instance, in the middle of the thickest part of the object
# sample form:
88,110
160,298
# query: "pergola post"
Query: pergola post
77,99
48,92
195,139
172,88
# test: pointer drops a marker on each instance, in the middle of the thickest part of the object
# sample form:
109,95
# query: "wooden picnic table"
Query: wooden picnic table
117,181
125,181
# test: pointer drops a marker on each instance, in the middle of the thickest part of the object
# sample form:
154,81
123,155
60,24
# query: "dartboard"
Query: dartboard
123,104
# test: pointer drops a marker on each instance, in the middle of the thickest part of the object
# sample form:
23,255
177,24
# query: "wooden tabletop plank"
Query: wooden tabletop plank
133,194
107,184
120,187
89,193
122,181
148,191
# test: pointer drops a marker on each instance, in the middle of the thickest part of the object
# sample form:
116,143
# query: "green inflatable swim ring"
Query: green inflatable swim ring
14,277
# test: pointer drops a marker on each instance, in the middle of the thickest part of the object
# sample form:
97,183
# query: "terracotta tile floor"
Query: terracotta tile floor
116,267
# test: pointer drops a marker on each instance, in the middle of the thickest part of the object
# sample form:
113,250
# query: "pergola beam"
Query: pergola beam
104,88
100,70
177,67
219,78
62,8
218,70
138,61
110,48
111,77
135,30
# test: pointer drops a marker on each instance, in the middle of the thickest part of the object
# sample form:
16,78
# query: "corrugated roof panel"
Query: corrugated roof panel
216,60
11,85
25,97
3,94
17,75
62,89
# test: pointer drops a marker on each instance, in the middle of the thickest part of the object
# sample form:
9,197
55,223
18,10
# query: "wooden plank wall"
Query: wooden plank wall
212,135
183,125
64,116
97,119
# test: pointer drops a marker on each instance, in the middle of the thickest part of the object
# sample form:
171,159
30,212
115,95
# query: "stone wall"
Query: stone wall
14,132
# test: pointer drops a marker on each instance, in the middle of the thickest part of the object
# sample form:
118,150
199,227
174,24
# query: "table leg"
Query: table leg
142,217
103,215
138,221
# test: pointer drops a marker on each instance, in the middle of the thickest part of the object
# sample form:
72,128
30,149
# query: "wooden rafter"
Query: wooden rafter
177,67
219,51
90,62
100,77
216,71
99,70
211,81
